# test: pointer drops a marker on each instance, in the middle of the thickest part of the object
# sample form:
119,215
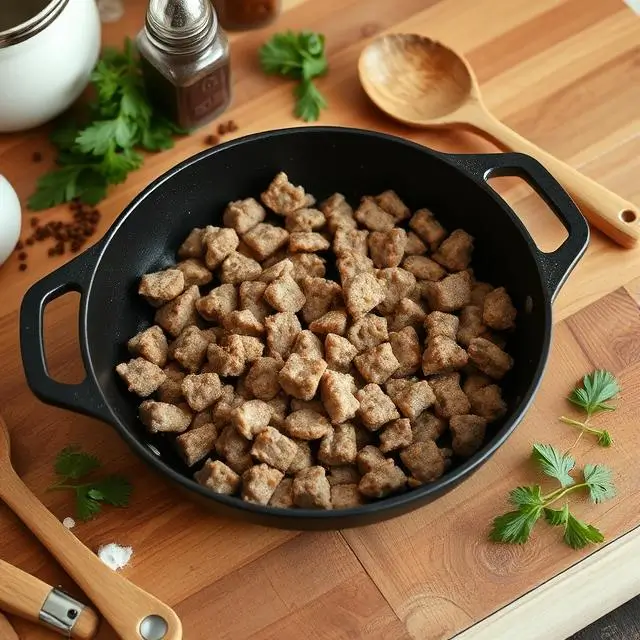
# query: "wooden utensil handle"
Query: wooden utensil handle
605,210
133,613
7,632
24,595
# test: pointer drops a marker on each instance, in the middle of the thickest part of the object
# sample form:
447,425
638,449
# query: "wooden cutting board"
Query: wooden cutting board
565,73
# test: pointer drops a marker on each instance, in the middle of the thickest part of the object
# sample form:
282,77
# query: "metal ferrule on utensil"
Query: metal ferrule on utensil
60,611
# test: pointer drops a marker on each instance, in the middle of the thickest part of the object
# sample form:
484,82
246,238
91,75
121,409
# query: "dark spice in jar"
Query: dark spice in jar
241,15
185,61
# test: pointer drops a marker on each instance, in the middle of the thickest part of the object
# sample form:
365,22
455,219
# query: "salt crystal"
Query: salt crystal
69,523
115,556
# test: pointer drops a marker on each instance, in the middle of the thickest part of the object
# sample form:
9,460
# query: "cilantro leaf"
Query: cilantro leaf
604,438
526,496
86,506
554,463
599,482
578,534
597,388
114,490
309,101
557,517
515,526
73,463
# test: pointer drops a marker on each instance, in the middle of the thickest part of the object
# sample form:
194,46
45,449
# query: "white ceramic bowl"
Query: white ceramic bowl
48,49
10,219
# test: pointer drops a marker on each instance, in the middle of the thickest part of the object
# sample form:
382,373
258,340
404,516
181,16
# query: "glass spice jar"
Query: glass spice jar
241,15
185,61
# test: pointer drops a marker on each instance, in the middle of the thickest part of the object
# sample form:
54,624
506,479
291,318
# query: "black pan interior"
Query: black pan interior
324,161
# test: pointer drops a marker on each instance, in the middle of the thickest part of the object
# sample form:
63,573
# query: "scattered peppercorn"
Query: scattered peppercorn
212,140
70,236
222,128
232,126
22,266
37,156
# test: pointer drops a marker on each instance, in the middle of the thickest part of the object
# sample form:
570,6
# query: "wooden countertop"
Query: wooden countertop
565,73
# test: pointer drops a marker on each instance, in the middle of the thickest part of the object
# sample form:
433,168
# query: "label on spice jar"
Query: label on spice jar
205,98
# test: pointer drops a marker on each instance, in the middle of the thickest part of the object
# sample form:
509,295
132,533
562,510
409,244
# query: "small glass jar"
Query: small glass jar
185,61
241,15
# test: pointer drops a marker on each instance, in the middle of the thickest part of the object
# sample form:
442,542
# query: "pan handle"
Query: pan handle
555,265
84,396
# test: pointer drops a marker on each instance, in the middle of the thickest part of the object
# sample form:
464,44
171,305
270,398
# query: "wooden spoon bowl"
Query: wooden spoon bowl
423,83
415,78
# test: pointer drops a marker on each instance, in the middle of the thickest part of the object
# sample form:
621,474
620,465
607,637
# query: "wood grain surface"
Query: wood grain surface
564,73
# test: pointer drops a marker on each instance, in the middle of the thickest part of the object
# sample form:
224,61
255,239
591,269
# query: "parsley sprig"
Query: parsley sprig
532,504
72,465
299,56
593,397
101,149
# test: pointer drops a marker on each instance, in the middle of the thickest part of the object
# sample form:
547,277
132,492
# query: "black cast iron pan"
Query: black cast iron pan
324,160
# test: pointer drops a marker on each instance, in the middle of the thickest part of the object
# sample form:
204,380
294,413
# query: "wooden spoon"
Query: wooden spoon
133,613
7,632
425,84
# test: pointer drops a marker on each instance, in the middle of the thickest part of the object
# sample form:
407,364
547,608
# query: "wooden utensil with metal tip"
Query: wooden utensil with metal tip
7,632
133,613
424,84
28,597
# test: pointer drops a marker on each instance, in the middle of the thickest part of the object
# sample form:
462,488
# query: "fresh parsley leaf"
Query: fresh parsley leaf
578,534
309,101
91,185
299,56
53,188
526,496
116,166
516,526
64,134
598,479
281,55
72,463
102,151
554,463
597,388
556,517
100,137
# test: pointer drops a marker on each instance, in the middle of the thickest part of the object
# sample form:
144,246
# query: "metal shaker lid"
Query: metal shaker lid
181,26
21,20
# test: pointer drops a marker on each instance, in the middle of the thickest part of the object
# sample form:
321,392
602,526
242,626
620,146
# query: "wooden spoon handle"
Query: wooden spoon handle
25,595
605,210
133,613
7,632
